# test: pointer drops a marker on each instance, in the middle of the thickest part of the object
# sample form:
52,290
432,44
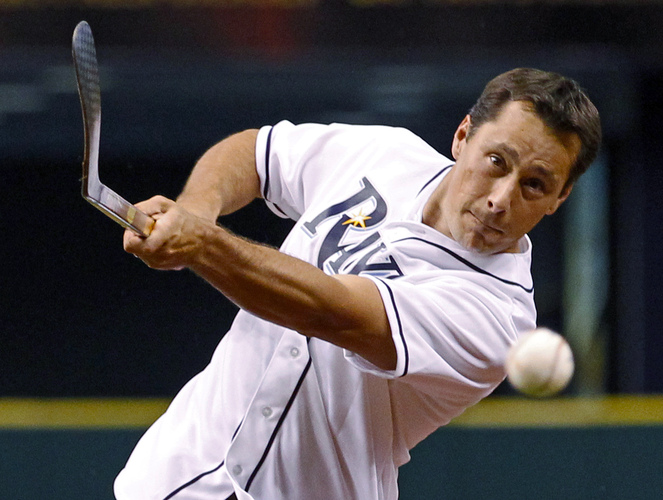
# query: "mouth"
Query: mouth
486,225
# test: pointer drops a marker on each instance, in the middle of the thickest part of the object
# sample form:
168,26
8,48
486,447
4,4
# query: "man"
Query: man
389,308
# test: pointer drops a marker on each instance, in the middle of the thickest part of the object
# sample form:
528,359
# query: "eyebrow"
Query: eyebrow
513,153
508,150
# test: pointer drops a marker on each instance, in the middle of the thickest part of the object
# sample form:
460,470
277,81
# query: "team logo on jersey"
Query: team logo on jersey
358,220
352,238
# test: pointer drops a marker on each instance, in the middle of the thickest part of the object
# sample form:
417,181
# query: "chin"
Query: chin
479,245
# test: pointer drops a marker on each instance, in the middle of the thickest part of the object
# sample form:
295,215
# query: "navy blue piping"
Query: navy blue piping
433,178
202,475
268,149
280,210
194,480
469,264
267,152
278,425
400,328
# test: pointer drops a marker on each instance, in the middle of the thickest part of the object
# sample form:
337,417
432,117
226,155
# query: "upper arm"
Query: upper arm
242,183
224,179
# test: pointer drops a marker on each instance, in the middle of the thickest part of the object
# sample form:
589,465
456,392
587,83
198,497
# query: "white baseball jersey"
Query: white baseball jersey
277,415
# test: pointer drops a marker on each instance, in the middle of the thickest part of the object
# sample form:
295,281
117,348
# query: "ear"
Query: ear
460,137
566,191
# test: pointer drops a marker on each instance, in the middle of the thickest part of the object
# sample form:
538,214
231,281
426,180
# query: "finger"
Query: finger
155,205
132,241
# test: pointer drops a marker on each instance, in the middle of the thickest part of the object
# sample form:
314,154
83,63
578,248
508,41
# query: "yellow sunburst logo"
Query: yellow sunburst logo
358,220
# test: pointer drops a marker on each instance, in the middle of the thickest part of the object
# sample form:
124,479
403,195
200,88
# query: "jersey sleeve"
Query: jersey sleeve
450,330
299,163
293,163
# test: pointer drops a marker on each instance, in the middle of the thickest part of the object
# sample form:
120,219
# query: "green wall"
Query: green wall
620,463
456,463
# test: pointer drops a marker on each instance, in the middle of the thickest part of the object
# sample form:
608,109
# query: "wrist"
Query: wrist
209,244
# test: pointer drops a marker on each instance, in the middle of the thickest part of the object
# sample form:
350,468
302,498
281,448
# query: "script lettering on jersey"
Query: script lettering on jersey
353,239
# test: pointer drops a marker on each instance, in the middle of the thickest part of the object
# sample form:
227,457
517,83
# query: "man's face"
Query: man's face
507,176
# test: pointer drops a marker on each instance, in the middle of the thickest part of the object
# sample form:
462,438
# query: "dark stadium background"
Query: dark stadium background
78,317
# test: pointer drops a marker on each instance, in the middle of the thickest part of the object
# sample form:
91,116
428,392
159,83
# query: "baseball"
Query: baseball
540,363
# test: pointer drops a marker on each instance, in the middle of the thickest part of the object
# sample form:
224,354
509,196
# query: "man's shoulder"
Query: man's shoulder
386,136
391,135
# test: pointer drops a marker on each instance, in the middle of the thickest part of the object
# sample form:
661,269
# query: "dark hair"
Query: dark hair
557,100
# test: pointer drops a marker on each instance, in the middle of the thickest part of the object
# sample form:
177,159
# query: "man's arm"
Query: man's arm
344,310
224,178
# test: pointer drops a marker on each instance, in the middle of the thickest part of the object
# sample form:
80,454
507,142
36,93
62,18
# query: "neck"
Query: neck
433,212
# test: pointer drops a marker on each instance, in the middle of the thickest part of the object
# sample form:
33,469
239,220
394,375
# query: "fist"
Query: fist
176,239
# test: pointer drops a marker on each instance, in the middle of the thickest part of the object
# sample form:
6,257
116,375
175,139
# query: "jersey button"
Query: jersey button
294,352
267,412
237,470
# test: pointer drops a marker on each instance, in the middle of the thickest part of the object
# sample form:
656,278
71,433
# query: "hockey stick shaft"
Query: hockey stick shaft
99,195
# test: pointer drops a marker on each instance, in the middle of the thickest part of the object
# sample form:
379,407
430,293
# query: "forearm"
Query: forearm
344,310
224,179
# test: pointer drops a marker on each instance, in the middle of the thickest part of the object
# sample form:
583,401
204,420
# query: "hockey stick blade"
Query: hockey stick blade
92,189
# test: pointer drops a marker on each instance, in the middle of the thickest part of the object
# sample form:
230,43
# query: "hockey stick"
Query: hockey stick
99,195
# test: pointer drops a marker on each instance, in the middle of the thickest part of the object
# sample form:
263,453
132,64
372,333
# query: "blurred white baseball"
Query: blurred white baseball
540,363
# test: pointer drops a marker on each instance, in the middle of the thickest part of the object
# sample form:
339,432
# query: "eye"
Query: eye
497,161
535,185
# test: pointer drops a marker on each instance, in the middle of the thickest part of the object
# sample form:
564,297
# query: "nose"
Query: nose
501,195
